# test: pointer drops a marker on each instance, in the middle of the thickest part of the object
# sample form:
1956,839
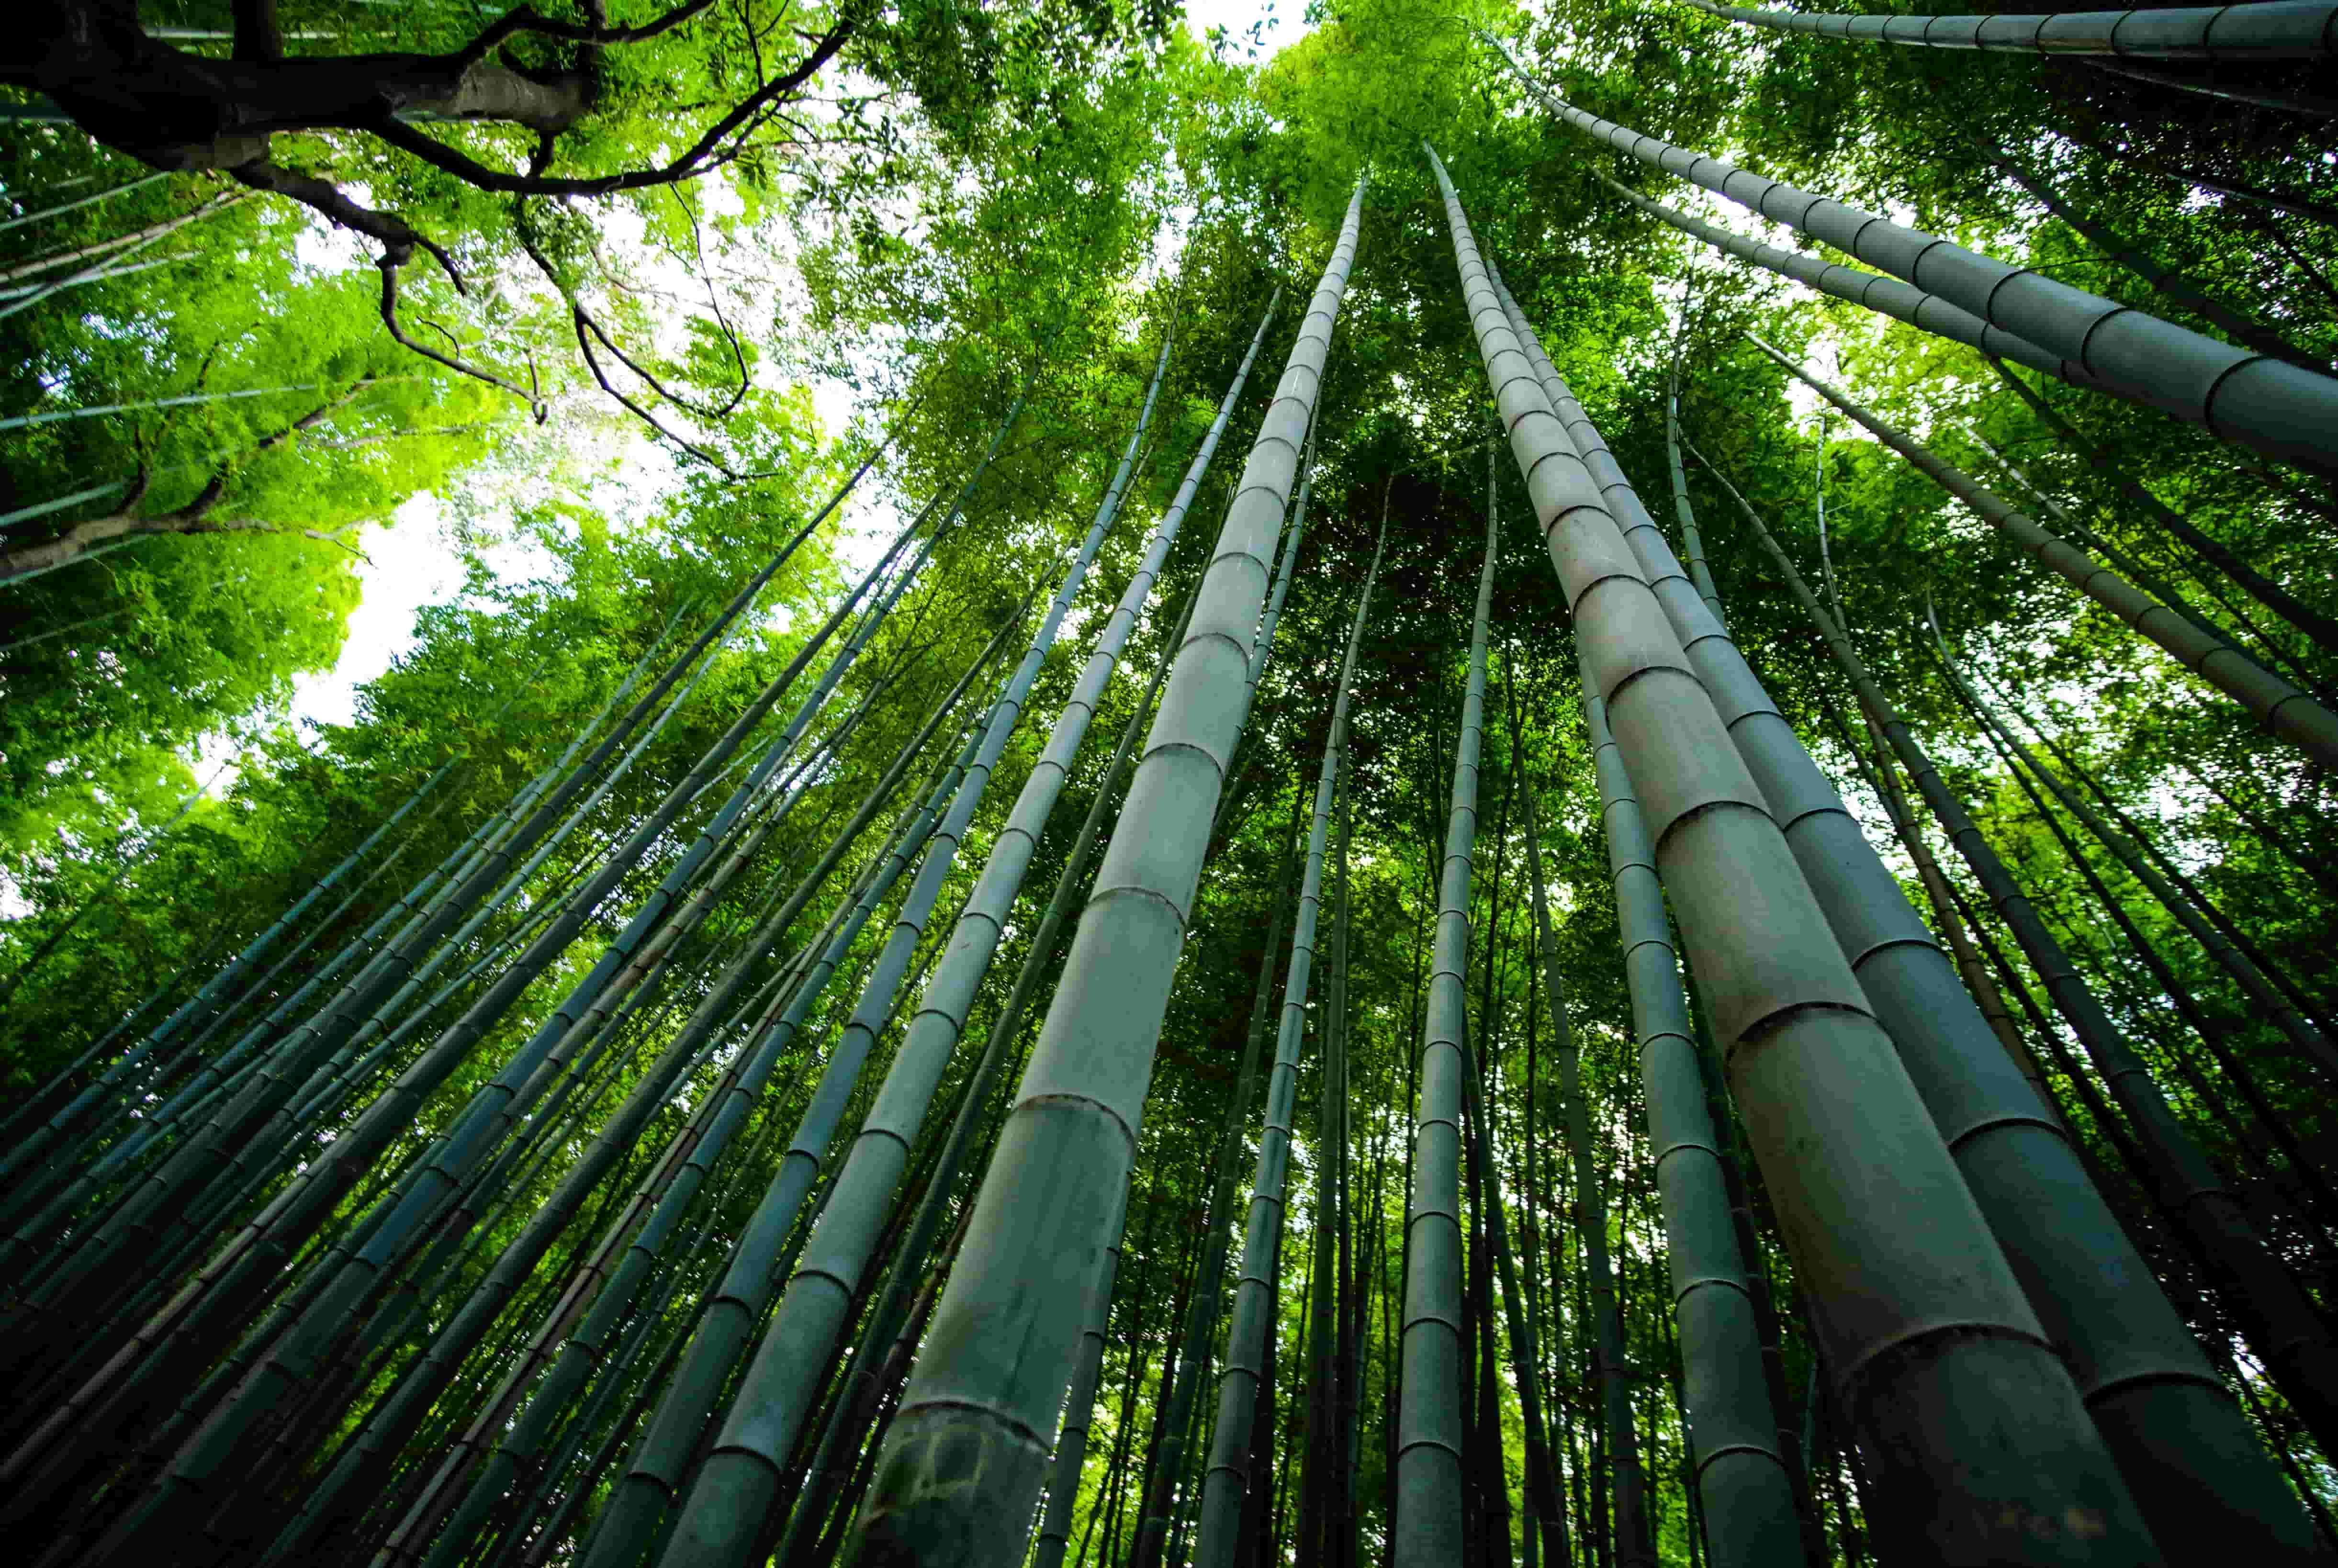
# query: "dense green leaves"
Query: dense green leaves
978,202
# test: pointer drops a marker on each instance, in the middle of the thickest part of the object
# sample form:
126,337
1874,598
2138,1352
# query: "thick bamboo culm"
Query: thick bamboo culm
2280,409
2179,1435
2288,1334
1799,1044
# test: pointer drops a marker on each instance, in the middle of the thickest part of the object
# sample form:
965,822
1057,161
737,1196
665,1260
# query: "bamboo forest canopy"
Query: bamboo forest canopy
1415,785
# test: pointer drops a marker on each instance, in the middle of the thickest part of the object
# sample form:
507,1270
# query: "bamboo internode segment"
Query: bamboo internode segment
1885,295
2179,1435
2288,30
2279,408
2288,1333
2282,708
1924,1326
987,1391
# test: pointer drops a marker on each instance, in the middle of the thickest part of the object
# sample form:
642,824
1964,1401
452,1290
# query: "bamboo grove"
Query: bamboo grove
1533,785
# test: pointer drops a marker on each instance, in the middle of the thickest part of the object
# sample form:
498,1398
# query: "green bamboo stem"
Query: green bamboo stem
1050,1198
1801,1046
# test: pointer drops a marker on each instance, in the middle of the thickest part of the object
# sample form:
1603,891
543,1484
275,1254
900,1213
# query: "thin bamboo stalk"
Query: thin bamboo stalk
1429,1482
2282,708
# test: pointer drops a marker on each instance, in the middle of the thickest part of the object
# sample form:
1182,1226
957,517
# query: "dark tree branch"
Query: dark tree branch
313,418
534,400
585,333
525,19
176,109
710,151
397,239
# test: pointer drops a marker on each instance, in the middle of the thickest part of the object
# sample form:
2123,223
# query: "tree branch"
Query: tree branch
707,154
526,19
534,399
398,239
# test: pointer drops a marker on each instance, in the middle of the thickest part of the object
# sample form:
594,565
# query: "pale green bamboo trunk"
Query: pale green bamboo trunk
963,1463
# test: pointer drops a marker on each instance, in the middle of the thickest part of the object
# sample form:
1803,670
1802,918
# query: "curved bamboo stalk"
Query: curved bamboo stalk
973,1405
2182,1441
2283,1327
2282,709
1928,1339
2285,30
2270,405
2307,103
2276,657
138,244
80,201
1884,296
1241,1367
2143,834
